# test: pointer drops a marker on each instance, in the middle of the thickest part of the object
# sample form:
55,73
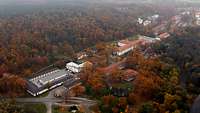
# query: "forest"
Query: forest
167,83
34,39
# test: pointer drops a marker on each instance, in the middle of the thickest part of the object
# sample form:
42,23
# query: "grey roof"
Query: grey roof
31,86
47,77
78,62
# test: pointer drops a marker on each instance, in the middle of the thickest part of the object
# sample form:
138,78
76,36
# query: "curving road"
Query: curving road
51,100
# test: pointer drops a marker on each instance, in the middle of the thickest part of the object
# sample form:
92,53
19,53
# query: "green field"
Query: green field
34,108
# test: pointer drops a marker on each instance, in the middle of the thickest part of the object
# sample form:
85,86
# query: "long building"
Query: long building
126,46
47,81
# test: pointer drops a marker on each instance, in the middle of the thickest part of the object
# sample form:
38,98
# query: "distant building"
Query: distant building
129,75
123,42
140,21
164,35
49,80
154,17
124,49
120,92
126,46
77,66
146,22
147,40
197,16
81,55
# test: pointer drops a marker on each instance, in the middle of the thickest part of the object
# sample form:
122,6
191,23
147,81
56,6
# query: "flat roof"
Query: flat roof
43,79
32,87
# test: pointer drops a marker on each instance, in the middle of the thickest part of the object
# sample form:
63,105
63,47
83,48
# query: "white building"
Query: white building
164,35
75,67
124,49
197,16
156,16
147,40
146,22
140,21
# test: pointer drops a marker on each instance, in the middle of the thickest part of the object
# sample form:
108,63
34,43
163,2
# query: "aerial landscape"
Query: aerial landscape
99,56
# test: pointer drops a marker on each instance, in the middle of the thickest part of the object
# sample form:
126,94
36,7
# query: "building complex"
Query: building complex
47,81
125,46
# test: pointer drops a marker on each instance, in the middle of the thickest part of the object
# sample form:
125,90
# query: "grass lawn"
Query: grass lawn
34,108
123,85
55,109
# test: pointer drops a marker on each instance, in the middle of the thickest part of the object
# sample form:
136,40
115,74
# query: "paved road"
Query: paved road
84,102
196,106
39,100
49,107
50,100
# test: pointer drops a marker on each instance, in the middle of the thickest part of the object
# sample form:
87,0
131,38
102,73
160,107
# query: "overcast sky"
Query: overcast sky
54,1
7,2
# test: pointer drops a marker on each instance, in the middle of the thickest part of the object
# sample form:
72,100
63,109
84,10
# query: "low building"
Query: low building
81,55
126,46
197,16
122,43
129,75
47,81
120,92
124,49
147,40
77,66
146,22
164,35
140,20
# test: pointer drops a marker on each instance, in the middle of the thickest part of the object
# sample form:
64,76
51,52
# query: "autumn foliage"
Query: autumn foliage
12,85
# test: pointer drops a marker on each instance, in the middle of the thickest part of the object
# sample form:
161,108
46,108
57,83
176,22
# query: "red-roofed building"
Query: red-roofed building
123,42
124,49
126,46
129,75
112,67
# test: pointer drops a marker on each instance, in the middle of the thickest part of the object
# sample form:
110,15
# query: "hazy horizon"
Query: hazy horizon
40,2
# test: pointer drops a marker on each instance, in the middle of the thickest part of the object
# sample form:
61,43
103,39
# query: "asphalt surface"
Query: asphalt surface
196,106
50,100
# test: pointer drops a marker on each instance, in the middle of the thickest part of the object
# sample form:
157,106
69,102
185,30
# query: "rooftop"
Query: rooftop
44,79
126,41
78,62
34,87
164,35
129,75
129,44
